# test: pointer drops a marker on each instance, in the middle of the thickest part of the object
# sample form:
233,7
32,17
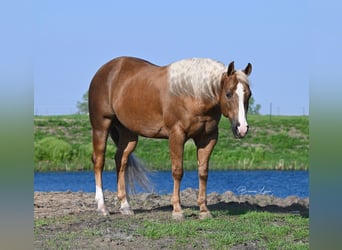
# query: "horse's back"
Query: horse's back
112,77
121,66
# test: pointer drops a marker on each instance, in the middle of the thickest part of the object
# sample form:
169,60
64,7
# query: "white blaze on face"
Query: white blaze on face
243,127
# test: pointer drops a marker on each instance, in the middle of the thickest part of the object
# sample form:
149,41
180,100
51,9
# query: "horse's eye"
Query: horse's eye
229,94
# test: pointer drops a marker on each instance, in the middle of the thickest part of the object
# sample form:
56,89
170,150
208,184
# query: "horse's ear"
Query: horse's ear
231,69
248,69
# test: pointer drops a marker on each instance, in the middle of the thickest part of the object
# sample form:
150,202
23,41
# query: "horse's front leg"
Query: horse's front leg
205,146
176,145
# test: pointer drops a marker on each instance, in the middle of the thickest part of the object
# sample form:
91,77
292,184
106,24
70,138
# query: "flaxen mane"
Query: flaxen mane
197,77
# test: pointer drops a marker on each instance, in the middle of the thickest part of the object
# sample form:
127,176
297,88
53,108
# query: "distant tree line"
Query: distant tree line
253,109
82,106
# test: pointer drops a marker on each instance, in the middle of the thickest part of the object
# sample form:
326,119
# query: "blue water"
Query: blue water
277,183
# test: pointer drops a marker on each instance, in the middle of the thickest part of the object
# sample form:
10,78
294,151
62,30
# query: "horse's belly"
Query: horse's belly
145,125
151,130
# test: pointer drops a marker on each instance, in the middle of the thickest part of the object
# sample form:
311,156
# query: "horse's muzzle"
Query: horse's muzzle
239,131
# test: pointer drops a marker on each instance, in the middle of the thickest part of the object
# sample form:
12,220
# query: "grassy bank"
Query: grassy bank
262,229
155,230
282,142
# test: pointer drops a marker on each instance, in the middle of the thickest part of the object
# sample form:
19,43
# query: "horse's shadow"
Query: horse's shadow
239,208
236,208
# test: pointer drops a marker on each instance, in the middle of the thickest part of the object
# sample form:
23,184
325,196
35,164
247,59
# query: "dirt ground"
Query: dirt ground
68,219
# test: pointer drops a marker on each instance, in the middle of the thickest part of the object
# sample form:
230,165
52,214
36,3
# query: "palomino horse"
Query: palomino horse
130,97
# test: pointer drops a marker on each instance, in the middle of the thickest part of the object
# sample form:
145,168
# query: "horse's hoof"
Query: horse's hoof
126,211
103,211
177,215
205,215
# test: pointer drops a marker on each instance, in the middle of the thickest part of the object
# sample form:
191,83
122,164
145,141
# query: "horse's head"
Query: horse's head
235,94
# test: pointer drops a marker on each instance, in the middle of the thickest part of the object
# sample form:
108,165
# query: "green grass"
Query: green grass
266,230
270,231
280,143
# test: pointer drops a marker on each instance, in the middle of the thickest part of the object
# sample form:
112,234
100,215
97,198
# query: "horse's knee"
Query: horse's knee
98,162
203,172
177,173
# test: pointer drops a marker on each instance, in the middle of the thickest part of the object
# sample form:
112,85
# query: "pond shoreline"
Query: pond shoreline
49,204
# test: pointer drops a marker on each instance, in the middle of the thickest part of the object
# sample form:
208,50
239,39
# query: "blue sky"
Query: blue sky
72,39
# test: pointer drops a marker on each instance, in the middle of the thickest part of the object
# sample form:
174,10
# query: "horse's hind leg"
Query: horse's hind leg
100,135
126,142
